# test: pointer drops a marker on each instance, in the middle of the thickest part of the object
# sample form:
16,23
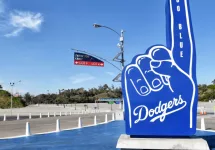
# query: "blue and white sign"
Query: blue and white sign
159,87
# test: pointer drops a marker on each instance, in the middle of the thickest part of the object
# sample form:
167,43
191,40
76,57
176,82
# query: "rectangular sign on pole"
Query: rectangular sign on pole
110,102
87,60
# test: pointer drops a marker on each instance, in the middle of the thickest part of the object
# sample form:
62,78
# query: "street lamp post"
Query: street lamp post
48,97
11,97
56,98
63,95
120,45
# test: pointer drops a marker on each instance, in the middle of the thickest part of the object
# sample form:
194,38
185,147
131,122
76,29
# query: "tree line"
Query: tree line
206,92
79,95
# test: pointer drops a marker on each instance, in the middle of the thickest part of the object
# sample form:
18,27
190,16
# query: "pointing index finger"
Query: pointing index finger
180,34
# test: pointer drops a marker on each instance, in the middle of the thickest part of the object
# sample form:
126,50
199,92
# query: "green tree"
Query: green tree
213,82
28,98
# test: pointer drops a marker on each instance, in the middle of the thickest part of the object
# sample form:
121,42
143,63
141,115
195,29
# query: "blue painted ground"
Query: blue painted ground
101,137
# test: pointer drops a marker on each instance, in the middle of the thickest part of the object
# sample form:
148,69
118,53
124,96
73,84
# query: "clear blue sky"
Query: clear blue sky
36,37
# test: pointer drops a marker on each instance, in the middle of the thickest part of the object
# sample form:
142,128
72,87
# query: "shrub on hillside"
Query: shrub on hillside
5,100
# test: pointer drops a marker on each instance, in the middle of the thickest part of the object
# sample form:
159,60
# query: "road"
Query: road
13,127
39,125
209,122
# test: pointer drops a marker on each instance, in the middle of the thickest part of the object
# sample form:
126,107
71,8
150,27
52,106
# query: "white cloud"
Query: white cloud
20,20
14,33
29,20
81,78
110,73
13,23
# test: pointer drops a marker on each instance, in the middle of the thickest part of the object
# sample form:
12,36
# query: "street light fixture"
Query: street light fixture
11,97
97,25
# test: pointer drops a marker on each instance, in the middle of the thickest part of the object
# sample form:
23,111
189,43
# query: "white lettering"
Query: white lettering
180,100
160,112
180,35
170,104
180,26
151,113
175,101
181,44
164,107
178,8
181,54
140,113
158,108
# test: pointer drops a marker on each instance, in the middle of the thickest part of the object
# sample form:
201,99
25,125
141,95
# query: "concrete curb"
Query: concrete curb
75,128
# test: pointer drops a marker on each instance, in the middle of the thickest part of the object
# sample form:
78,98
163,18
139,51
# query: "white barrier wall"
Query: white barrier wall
51,108
208,107
119,115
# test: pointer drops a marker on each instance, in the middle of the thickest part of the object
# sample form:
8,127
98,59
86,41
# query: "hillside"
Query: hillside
5,100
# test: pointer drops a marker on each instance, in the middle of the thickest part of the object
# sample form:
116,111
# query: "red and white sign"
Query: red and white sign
88,63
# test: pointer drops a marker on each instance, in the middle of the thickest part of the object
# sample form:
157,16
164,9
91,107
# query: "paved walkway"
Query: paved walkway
17,128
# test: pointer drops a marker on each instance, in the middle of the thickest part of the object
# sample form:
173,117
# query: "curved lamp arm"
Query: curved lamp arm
99,26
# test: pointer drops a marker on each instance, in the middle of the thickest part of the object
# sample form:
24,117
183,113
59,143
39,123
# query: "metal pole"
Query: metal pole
56,99
11,98
122,61
122,47
48,97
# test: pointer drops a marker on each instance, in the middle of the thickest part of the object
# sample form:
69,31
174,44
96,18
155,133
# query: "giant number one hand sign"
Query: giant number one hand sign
159,87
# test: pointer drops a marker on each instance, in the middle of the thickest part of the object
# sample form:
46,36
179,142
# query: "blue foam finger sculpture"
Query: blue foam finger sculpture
159,87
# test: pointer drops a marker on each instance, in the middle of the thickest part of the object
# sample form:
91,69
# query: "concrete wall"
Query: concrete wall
119,115
45,108
209,107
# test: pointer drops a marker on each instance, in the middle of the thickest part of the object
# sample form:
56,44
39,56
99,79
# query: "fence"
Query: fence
79,122
26,115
